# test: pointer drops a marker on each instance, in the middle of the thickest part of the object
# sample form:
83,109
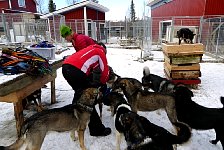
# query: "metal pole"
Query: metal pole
172,30
4,27
126,28
207,42
85,21
109,31
217,43
55,39
200,29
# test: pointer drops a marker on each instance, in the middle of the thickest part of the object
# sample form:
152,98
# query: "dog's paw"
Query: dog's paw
73,136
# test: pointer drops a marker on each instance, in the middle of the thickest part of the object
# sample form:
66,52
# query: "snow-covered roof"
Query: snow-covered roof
153,2
78,5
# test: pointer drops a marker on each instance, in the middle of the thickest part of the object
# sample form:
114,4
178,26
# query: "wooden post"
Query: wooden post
53,96
18,112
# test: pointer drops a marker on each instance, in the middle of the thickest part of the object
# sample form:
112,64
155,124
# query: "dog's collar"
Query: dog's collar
146,140
84,107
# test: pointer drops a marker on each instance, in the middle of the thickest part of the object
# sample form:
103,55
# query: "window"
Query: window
21,3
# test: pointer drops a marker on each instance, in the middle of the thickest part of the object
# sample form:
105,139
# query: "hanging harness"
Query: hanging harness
23,61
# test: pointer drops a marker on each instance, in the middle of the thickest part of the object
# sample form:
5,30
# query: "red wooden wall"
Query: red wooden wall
30,6
190,8
79,14
4,4
214,7
180,8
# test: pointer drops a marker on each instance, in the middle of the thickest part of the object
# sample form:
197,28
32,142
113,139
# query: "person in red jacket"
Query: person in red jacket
79,41
77,70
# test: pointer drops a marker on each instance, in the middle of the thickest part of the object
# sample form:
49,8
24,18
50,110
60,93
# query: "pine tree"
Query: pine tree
51,6
132,13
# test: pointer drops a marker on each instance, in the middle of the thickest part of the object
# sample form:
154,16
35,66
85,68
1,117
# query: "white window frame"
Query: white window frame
22,3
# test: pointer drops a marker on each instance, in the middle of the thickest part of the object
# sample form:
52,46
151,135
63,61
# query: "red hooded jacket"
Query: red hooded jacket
89,58
81,41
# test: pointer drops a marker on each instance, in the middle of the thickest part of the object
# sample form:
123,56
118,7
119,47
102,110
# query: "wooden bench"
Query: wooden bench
16,89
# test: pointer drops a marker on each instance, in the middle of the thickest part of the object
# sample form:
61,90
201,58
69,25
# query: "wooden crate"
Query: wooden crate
173,49
188,67
185,59
184,81
185,74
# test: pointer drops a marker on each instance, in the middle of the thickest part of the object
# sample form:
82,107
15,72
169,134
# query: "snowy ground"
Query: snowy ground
124,63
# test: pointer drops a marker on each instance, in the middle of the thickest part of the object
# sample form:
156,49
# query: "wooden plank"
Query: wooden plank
187,59
23,80
184,81
188,67
182,49
183,74
24,92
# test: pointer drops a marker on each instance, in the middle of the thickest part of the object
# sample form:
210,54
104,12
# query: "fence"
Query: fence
212,36
27,28
21,27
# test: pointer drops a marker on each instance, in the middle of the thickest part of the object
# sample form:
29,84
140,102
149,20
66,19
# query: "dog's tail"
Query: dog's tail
146,71
222,100
183,135
15,146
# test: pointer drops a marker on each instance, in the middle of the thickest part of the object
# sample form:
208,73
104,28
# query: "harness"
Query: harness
84,107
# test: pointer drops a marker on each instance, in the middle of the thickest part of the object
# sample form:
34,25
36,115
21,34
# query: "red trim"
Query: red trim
184,81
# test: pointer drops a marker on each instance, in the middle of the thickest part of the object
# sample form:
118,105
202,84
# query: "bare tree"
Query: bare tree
70,2
41,7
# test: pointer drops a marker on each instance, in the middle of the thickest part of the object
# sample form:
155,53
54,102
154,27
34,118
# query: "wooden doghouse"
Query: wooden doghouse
182,62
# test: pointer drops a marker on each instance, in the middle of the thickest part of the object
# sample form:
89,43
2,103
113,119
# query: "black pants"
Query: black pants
79,81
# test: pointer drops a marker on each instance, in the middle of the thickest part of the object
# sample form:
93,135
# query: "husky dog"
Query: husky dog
146,101
34,97
67,118
197,116
156,83
139,132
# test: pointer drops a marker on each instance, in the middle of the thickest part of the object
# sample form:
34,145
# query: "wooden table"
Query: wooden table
16,89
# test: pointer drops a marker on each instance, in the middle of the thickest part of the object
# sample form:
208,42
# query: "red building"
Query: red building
86,17
163,8
16,6
182,13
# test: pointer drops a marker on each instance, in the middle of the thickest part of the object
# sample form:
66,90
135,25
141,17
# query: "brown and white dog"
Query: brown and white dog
67,118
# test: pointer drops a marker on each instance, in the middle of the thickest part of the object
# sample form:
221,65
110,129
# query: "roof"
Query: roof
153,2
78,5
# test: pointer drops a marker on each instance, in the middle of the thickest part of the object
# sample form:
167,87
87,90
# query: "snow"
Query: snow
124,62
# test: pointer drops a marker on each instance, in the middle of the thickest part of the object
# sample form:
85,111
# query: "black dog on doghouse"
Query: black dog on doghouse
185,34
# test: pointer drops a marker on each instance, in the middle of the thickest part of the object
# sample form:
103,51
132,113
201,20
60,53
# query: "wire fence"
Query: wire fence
142,33
22,28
